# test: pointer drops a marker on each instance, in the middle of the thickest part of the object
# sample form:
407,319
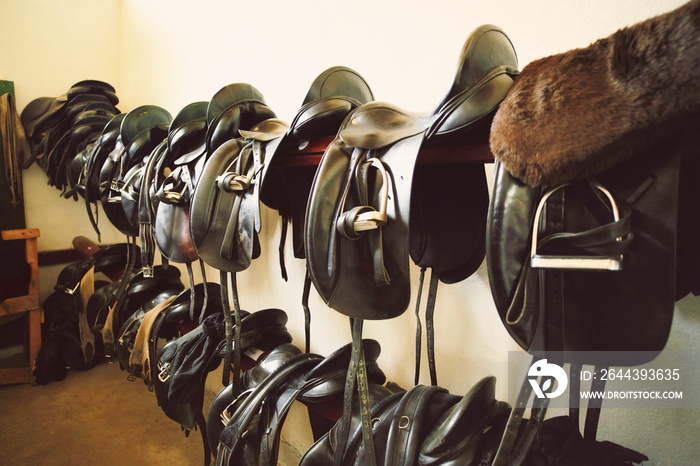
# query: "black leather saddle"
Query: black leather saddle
141,131
98,156
60,128
358,234
254,419
332,95
425,425
358,228
228,181
224,217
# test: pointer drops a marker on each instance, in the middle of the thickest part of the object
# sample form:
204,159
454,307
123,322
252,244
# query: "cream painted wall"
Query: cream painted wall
45,47
171,53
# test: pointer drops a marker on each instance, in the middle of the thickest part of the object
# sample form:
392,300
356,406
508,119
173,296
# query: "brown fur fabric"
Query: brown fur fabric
581,112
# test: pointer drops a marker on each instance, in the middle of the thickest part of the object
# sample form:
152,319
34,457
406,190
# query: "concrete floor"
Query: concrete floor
96,417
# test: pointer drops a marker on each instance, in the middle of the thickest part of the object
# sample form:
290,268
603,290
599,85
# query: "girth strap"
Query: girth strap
146,212
357,376
228,322
419,327
307,311
202,423
429,326
190,275
233,333
280,248
590,428
206,291
514,448
120,294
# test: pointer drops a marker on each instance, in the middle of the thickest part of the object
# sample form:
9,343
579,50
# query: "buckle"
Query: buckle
227,411
147,271
164,373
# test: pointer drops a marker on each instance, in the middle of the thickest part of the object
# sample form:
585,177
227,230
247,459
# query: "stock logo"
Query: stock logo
549,372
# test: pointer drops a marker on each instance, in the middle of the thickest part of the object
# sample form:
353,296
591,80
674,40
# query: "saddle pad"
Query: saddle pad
582,112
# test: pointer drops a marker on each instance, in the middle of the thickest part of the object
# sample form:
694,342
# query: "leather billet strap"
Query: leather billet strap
232,354
419,328
307,311
590,428
226,309
146,212
429,326
120,295
190,276
514,447
356,377
203,312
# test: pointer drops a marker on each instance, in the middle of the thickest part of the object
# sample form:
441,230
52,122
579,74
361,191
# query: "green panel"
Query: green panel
10,218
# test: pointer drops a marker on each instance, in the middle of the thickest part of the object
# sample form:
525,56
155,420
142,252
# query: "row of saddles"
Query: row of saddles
138,166
156,339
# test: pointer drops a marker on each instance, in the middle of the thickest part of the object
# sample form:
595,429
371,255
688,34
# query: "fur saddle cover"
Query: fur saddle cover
581,112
